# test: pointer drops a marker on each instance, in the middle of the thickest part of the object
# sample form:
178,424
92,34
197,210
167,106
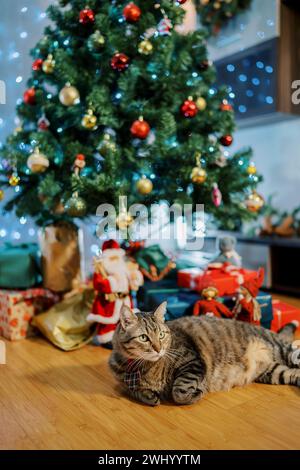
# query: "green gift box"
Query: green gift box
19,266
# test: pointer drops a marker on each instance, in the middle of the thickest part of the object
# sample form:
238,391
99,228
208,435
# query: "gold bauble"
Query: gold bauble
14,180
37,162
201,103
254,202
89,120
145,47
75,206
1,194
69,95
217,5
49,64
107,145
198,175
251,170
204,2
124,220
144,186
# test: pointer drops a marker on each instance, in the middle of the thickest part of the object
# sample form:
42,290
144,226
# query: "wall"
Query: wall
277,155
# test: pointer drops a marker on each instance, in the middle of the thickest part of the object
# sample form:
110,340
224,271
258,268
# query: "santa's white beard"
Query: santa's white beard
113,267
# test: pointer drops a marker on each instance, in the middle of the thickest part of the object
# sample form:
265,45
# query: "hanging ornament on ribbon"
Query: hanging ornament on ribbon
29,96
226,140
165,26
96,41
254,202
89,120
69,95
106,145
49,64
124,218
76,205
216,195
37,162
132,13
14,179
43,123
201,103
189,108
145,47
225,106
86,16
144,186
251,169
37,65
140,128
119,62
198,175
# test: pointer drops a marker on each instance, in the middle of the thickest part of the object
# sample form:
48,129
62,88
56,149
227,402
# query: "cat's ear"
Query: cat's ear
127,317
160,312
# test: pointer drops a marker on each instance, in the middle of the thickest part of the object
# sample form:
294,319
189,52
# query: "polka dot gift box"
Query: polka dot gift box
17,309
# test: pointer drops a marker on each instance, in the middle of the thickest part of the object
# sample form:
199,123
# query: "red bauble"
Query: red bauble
189,108
86,16
132,13
119,62
181,2
140,129
37,65
226,140
29,96
225,106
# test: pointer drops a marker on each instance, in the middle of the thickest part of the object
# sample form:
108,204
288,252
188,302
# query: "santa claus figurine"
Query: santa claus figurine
114,279
247,308
208,305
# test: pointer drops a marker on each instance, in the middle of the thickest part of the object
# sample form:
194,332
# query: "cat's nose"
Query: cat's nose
156,347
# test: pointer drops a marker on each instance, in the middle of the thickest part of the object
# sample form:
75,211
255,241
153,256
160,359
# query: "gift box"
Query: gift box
19,266
17,309
265,301
179,302
284,313
226,279
62,252
65,325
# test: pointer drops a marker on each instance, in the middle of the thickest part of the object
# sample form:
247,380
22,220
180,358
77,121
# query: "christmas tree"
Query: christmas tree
120,103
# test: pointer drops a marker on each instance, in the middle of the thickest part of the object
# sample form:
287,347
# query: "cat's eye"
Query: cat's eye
162,334
143,338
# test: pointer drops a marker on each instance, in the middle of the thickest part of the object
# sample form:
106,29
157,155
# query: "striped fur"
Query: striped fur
184,359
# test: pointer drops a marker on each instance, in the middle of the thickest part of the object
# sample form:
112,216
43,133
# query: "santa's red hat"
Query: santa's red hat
110,245
254,285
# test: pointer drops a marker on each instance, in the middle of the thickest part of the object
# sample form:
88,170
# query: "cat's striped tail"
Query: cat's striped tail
287,332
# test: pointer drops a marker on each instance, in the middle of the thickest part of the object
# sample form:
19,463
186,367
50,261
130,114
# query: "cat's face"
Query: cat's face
143,335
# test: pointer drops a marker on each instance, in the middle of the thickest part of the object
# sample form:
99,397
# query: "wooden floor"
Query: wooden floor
55,400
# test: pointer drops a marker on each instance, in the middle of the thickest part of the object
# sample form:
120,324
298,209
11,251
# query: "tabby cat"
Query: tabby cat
184,359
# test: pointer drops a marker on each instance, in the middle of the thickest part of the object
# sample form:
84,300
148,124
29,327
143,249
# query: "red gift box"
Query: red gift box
17,308
284,313
227,279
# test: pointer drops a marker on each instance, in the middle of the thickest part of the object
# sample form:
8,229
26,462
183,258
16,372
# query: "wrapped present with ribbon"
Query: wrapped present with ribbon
19,266
18,308
224,277
62,256
65,324
284,313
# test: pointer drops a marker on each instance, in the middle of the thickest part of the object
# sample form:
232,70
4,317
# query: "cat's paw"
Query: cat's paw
183,396
149,397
